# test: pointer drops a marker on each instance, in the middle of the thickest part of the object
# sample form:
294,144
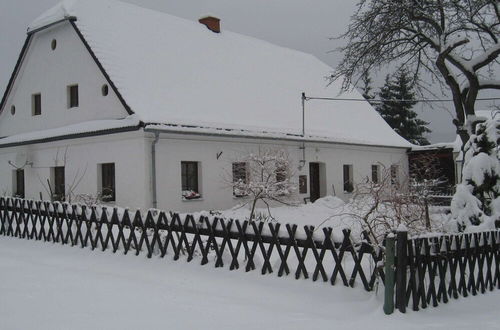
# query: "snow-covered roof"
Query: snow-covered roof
95,126
455,145
171,70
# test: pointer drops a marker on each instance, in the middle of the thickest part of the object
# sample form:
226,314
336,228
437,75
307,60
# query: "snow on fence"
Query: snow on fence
269,247
433,270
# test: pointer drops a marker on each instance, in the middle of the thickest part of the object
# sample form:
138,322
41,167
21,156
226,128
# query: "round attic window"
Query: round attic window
53,44
105,90
13,110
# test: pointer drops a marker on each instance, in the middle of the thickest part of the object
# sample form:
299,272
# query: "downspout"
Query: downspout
153,168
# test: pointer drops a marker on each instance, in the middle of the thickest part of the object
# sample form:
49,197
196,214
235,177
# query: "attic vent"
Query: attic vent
211,22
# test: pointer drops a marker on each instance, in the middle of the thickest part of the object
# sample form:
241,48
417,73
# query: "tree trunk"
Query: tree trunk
252,212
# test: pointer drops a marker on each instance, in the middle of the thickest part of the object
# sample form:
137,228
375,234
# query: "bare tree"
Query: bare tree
265,176
456,41
427,181
70,187
382,206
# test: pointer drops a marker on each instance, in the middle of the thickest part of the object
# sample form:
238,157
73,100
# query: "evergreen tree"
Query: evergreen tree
477,199
399,115
366,89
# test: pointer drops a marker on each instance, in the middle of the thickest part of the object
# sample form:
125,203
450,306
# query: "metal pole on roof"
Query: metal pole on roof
303,160
303,114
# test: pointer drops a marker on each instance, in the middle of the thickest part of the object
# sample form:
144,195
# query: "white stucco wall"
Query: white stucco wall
131,153
83,156
49,72
216,194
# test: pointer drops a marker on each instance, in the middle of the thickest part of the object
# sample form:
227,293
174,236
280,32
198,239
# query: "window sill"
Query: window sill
240,197
193,199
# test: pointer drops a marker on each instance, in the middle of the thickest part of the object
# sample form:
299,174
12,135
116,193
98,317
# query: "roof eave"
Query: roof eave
108,131
255,135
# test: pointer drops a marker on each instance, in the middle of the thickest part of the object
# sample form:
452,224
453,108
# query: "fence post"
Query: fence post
389,275
401,253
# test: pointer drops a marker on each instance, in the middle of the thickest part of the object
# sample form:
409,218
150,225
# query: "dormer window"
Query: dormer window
36,104
72,96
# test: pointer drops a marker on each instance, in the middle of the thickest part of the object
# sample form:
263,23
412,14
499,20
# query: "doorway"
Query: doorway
314,182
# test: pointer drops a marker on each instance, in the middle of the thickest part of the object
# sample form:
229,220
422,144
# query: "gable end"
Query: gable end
99,65
24,50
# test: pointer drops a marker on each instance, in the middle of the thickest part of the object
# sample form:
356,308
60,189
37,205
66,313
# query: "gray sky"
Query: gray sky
305,25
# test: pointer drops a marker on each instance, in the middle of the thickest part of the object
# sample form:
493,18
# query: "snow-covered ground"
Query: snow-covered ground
47,286
328,211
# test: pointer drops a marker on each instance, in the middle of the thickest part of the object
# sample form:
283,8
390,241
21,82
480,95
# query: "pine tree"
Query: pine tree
366,89
477,199
399,115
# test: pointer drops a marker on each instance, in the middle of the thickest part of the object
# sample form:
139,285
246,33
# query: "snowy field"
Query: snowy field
46,286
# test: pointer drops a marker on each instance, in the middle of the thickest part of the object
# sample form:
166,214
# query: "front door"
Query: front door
314,192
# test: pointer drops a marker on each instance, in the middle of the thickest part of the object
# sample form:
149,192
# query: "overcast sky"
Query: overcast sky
305,25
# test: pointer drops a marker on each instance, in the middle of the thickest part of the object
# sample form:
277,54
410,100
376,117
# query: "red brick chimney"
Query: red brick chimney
211,22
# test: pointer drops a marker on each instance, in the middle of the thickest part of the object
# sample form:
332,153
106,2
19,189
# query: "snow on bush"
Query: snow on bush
477,199
264,176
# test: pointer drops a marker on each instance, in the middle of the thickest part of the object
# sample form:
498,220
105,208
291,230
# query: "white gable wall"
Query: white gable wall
49,72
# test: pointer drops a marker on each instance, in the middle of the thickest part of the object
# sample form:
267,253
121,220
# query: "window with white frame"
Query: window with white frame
347,178
375,173
19,183
190,180
108,182
58,183
73,98
36,104
240,177
394,174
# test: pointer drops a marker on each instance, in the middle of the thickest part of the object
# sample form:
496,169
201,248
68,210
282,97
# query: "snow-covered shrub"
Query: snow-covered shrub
268,177
381,207
477,199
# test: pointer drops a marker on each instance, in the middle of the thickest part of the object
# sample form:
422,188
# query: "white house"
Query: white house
110,95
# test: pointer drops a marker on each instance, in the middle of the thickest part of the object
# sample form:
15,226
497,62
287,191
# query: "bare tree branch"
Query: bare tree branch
456,41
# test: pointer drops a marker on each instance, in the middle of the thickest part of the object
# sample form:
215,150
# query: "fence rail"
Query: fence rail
269,247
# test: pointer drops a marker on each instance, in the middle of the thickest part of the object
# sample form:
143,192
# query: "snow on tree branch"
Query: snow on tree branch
455,41
264,176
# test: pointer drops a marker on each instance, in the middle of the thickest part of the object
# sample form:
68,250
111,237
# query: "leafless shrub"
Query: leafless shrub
264,176
381,207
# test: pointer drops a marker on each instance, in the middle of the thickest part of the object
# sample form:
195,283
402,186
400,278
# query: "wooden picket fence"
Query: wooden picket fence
268,247
427,271
434,270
